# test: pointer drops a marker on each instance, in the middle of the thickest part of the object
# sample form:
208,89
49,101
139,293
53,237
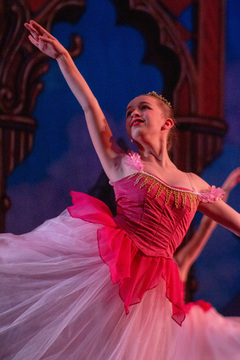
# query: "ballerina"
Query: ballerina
87,285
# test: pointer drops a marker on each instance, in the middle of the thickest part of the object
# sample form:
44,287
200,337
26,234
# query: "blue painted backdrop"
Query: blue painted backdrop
63,157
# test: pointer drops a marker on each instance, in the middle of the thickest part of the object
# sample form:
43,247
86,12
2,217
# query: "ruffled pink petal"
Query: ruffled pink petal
90,209
213,195
137,273
133,160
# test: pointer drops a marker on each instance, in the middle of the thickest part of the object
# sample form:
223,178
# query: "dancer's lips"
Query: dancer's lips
136,121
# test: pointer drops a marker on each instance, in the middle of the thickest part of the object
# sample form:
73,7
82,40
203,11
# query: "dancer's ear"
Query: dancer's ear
168,124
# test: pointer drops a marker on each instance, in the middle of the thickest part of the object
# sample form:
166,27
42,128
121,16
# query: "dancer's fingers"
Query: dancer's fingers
33,41
40,29
32,31
47,39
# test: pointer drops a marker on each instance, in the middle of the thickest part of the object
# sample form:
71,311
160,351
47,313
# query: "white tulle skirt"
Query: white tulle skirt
57,301
207,335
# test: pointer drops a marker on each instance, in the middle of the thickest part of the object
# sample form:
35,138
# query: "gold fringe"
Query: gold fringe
151,181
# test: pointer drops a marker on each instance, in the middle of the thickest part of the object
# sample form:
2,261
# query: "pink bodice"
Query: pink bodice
154,215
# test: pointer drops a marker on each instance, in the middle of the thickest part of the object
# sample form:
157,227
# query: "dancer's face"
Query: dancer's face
144,115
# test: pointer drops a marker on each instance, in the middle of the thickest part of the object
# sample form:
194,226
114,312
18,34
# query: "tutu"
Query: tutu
58,300
87,286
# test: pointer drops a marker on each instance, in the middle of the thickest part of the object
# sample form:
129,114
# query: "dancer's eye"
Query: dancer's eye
145,106
128,113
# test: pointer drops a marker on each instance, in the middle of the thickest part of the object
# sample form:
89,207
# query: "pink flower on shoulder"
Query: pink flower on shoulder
213,195
133,160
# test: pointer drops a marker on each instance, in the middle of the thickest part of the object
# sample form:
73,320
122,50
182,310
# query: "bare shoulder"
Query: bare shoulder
199,184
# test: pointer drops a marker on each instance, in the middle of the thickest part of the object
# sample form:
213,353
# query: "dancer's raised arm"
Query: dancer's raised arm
108,151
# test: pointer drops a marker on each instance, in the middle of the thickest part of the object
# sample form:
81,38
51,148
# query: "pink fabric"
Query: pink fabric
208,335
135,272
153,221
205,306
90,209
214,194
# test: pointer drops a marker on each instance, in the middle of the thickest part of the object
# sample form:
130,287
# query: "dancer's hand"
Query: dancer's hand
43,40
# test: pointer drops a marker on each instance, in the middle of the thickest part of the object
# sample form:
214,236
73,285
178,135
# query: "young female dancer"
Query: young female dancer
86,285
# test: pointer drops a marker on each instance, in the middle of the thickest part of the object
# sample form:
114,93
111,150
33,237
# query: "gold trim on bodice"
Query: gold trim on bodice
169,191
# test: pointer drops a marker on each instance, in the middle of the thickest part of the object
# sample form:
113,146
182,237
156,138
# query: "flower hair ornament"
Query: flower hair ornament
160,97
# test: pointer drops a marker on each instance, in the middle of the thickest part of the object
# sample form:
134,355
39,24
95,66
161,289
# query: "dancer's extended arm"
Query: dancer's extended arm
189,253
108,151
